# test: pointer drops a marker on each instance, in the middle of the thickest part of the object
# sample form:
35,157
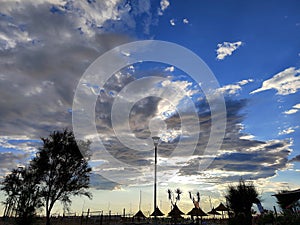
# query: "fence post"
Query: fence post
87,216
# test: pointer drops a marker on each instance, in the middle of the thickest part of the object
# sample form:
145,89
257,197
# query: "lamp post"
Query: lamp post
155,141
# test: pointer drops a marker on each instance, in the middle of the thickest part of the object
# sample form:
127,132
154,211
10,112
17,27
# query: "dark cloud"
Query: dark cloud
295,159
252,160
238,157
48,48
10,160
40,74
99,182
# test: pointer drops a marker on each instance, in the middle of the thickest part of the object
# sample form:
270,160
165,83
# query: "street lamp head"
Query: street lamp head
20,168
155,140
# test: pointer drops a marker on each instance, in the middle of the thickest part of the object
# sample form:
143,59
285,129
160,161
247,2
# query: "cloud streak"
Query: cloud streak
285,82
293,110
234,89
288,130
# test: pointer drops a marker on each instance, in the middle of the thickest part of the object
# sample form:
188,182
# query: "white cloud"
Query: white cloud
172,22
297,106
285,82
185,21
21,143
247,137
288,130
227,48
290,111
164,4
232,89
170,69
243,82
294,109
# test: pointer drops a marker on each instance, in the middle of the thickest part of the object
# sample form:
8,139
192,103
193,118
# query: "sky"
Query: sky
221,90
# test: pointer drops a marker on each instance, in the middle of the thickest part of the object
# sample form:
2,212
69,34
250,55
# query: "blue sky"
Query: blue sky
252,48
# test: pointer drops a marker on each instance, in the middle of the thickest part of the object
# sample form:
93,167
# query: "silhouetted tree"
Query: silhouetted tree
63,169
240,199
10,186
173,199
21,189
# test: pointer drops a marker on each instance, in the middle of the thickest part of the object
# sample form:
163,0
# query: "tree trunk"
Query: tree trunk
47,217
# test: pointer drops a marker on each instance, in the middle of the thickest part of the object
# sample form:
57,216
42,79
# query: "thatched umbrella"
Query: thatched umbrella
175,212
139,214
222,208
197,212
157,212
213,212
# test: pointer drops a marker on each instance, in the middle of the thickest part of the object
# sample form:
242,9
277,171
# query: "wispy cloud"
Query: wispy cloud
293,110
290,111
285,82
227,48
262,161
288,130
295,159
232,89
247,137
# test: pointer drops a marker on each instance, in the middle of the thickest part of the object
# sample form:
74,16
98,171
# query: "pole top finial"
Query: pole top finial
155,140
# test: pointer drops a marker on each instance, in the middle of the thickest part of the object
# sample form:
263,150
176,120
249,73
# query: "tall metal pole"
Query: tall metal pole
155,164
155,141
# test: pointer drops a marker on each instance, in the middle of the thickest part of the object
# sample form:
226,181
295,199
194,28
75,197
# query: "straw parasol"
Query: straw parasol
198,212
213,212
175,212
157,212
139,214
222,208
